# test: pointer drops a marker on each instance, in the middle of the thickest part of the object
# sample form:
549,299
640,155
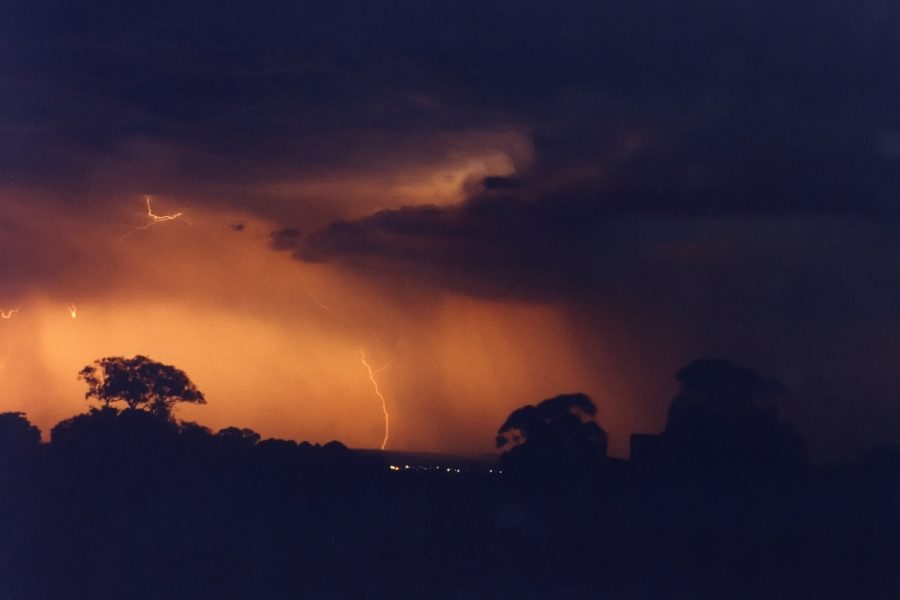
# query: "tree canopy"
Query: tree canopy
725,415
557,436
140,383
17,434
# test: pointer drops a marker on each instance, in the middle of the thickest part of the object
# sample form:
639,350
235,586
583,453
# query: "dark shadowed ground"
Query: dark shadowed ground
129,505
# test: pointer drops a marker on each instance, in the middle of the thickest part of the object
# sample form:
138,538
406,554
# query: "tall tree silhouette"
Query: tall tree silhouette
558,437
140,383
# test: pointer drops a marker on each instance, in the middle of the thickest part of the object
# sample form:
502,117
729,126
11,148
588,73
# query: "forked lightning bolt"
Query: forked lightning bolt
369,370
154,219
378,393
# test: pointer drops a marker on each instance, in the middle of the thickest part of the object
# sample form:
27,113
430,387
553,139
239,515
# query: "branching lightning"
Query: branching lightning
8,314
154,219
372,373
369,370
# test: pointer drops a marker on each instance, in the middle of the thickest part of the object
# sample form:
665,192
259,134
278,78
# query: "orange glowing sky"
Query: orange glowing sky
274,343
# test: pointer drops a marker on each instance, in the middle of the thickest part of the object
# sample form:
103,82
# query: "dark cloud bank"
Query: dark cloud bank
711,107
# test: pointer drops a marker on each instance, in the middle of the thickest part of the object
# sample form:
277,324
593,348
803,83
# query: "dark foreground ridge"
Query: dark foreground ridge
133,504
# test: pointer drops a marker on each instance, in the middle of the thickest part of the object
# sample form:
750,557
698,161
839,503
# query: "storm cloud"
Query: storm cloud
707,178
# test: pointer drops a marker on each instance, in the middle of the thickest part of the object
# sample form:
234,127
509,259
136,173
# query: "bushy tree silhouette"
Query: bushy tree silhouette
106,433
239,438
139,382
724,417
17,434
558,437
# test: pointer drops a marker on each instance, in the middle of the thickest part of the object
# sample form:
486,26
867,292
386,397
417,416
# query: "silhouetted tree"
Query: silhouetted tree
192,433
724,416
559,436
235,437
18,436
140,383
106,432
334,446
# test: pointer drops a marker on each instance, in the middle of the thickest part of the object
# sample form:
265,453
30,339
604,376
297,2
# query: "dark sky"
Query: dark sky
496,199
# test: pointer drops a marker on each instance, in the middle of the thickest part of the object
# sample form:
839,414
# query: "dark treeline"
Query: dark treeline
127,502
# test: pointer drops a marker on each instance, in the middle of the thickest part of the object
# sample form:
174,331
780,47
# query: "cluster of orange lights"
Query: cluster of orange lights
398,468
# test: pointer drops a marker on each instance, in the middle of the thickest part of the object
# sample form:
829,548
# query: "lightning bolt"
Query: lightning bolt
154,219
8,314
73,311
378,393
369,370
312,296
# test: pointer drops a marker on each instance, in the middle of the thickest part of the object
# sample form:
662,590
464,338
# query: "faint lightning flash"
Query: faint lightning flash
312,296
154,219
8,314
378,393
73,311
